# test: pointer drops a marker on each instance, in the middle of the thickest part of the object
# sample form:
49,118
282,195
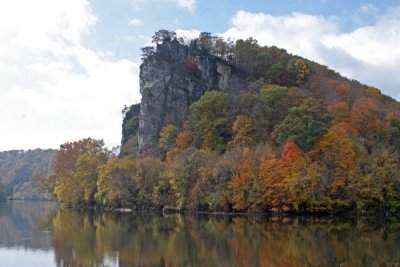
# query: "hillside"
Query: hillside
17,169
240,127
175,75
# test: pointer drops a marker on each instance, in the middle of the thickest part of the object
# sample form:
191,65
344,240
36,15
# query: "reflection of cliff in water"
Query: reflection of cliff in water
82,239
26,224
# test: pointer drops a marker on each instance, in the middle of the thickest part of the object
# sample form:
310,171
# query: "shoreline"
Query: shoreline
340,215
256,214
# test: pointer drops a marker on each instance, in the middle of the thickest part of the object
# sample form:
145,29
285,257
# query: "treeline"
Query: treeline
278,150
272,64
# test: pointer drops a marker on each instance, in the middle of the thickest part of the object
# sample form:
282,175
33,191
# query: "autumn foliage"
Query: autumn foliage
297,138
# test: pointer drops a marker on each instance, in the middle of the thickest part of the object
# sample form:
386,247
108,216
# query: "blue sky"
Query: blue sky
67,67
214,16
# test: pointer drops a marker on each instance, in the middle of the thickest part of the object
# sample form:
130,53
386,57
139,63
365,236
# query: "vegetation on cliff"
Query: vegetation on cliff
296,137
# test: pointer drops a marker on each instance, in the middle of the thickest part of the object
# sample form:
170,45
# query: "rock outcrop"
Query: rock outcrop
172,79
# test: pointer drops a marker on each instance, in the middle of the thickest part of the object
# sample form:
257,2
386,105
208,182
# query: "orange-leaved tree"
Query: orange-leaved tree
365,118
271,176
245,185
336,151
293,172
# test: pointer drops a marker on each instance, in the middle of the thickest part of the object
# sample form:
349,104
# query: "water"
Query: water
42,234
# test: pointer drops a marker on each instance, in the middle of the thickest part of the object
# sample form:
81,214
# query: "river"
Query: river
43,234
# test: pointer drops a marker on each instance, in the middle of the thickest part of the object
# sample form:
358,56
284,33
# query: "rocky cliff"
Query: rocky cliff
172,79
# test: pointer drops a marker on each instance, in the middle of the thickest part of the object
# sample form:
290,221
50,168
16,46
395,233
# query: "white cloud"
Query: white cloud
369,54
135,22
189,4
53,89
187,35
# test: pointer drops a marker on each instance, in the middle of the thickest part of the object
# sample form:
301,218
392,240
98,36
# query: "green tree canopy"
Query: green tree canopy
210,121
304,125
276,104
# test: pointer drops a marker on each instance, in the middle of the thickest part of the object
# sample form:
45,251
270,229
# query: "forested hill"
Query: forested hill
176,74
17,168
235,126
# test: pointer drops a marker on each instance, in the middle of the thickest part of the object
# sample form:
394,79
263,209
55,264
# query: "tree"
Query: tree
210,121
391,130
271,176
292,166
304,125
191,170
183,141
278,74
130,148
71,182
340,112
377,183
245,53
276,103
264,62
168,136
292,159
149,172
163,36
341,91
373,93
116,184
86,173
222,48
243,132
184,138
251,106
201,190
205,41
336,151
246,186
302,70
365,118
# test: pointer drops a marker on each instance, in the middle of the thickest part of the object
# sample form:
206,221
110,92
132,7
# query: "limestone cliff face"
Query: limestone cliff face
172,79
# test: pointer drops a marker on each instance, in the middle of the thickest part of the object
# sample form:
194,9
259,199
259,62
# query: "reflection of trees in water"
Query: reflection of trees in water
24,224
82,239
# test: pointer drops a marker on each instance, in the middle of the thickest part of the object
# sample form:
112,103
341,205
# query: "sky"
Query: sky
68,67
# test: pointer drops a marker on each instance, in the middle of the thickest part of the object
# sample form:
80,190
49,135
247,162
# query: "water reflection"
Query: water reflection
26,224
112,239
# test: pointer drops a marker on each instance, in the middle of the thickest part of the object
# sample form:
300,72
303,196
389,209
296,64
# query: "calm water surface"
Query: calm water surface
42,234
